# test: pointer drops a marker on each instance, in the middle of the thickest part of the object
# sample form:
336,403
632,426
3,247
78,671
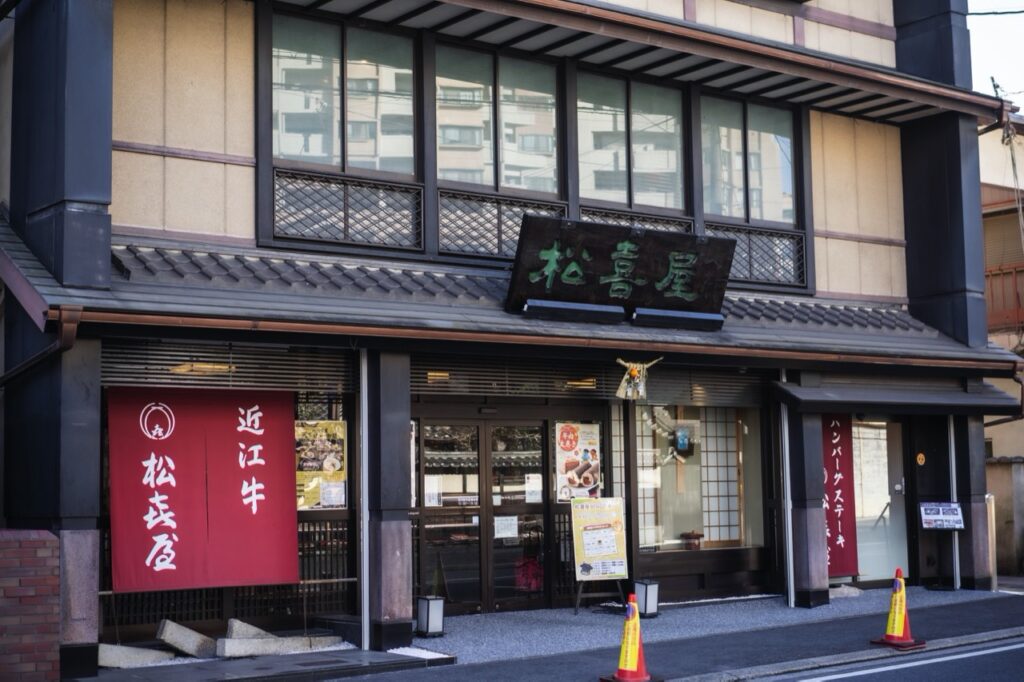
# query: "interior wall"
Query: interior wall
184,86
857,190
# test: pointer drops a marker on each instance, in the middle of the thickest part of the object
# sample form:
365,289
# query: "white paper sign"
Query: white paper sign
432,491
534,488
942,516
506,527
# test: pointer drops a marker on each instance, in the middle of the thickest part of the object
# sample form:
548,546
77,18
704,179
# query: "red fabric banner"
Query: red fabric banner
202,488
840,514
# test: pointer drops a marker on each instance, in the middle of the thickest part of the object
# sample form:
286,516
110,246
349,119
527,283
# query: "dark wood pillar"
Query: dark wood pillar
61,136
52,465
810,554
969,439
390,493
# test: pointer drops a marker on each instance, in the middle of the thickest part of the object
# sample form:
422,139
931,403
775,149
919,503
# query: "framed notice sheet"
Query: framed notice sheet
942,516
599,538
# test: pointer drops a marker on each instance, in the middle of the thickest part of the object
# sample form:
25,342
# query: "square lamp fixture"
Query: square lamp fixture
430,616
646,597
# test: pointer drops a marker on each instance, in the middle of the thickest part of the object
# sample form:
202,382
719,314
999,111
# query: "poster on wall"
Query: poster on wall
838,502
201,488
320,464
577,460
599,538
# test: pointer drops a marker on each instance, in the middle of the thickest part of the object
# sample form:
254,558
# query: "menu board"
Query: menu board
599,538
942,516
577,460
320,459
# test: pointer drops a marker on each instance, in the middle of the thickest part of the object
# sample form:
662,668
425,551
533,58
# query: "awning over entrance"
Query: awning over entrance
899,398
610,37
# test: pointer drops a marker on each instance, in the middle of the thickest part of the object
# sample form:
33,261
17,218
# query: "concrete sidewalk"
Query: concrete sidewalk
762,643
695,639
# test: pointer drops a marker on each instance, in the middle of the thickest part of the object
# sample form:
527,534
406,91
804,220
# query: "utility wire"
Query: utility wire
995,13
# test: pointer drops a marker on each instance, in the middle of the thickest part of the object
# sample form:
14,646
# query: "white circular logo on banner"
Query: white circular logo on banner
156,421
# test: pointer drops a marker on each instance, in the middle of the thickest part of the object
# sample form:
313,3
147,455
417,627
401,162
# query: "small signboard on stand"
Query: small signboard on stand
942,516
599,542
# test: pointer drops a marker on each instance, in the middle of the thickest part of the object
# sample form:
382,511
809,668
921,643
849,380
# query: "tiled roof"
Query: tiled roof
252,270
162,277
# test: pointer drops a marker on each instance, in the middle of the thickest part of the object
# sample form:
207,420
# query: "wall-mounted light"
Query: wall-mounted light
437,376
587,384
202,368
430,616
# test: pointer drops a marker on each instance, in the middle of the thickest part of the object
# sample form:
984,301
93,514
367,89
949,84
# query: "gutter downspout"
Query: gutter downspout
68,319
364,502
787,501
1016,417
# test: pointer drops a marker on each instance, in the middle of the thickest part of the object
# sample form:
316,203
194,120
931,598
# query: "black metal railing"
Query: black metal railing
485,225
347,210
765,256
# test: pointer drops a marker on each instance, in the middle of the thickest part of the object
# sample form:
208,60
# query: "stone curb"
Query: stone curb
786,667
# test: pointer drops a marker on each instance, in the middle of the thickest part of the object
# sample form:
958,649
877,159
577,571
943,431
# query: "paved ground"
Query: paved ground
696,639
766,641
499,636
992,662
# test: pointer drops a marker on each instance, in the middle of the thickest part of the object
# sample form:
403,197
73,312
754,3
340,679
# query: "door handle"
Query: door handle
899,487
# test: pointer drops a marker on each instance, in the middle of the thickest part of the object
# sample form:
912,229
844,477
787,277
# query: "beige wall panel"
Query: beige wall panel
137,190
994,158
240,115
240,202
821,263
195,193
841,213
668,8
875,270
871,49
771,25
138,107
834,40
817,136
843,266
872,188
732,17
195,74
898,260
841,6
894,181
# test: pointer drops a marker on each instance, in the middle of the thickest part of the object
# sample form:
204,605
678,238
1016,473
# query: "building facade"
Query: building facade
217,205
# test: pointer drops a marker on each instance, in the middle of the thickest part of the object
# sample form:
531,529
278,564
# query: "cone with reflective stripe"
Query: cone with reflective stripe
632,667
897,630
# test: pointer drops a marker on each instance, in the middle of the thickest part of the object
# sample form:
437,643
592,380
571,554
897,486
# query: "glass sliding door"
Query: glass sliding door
450,561
879,491
516,453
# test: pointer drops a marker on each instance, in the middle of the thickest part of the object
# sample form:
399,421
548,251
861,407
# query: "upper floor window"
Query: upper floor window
747,157
387,60
307,103
633,159
468,113
306,66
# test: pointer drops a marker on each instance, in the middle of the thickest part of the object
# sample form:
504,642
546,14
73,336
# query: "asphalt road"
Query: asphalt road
982,663
719,654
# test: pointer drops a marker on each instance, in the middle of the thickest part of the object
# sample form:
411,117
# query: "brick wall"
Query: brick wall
29,605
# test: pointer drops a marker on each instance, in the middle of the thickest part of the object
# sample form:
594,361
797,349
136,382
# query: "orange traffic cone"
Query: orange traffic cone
897,631
632,667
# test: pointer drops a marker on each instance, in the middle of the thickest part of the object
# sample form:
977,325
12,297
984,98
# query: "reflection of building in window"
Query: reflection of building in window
396,124
470,136
361,131
449,96
471,175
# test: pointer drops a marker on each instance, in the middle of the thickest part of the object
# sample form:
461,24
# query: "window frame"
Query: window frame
686,160
426,178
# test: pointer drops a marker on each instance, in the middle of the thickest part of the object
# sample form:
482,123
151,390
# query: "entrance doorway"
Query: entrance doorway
483,522
880,493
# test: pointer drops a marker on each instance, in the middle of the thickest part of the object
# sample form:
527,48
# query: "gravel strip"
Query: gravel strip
500,636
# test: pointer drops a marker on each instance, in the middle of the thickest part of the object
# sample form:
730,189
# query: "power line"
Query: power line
995,13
